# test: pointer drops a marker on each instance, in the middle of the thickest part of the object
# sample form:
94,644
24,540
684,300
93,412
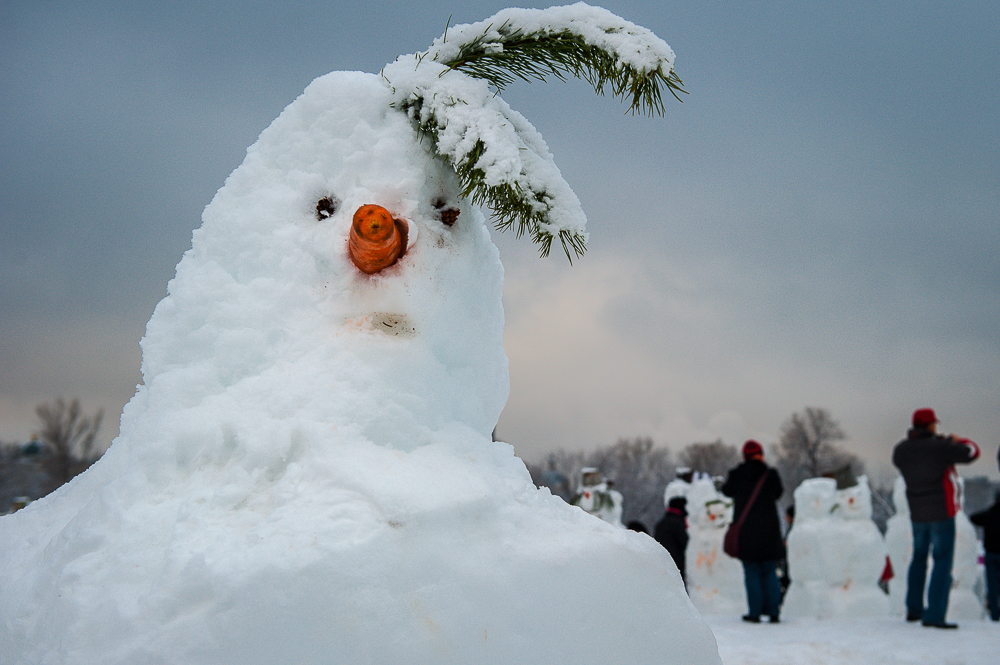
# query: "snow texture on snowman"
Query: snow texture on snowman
307,473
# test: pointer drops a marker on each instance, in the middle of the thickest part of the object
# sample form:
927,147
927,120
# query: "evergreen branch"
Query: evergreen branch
475,131
536,56
513,207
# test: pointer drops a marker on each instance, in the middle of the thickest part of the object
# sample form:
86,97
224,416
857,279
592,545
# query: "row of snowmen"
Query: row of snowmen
836,554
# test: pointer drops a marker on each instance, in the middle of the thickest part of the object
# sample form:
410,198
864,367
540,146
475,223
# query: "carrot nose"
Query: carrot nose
377,240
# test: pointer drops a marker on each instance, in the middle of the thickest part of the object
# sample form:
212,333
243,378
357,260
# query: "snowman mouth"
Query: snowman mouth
396,325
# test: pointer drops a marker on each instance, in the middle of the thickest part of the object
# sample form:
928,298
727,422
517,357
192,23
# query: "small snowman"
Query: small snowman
597,497
679,486
715,580
963,601
836,554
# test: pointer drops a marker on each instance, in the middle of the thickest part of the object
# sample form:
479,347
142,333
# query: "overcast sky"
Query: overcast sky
816,224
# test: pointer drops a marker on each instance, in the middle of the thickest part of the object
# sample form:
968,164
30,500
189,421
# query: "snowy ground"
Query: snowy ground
850,641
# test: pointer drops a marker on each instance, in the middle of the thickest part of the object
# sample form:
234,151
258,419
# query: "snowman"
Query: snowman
715,580
679,486
307,473
598,498
836,554
963,601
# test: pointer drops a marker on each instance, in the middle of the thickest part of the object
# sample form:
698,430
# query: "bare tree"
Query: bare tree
715,458
638,469
560,473
70,435
806,448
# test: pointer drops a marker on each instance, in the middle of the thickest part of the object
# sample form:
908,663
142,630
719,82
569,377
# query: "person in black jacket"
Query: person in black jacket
927,462
671,532
761,547
989,519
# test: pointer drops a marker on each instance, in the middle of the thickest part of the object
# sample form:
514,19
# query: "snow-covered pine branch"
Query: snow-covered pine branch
501,160
584,42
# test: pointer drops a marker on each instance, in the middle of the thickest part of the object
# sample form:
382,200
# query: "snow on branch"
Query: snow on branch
451,93
584,42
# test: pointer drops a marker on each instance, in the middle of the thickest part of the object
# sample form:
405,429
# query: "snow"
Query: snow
307,473
847,641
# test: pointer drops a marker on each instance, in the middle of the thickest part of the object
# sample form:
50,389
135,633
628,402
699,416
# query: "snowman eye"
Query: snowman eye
446,213
326,207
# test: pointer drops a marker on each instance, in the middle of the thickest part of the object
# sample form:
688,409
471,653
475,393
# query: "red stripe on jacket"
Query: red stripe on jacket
952,485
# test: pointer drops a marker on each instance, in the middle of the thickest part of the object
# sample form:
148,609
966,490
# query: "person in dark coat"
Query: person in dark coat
989,520
671,532
761,547
927,462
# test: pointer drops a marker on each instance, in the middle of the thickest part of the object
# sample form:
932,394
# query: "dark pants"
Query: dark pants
993,584
763,587
937,538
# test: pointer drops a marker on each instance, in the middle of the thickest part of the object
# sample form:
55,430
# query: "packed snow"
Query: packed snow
307,473
847,641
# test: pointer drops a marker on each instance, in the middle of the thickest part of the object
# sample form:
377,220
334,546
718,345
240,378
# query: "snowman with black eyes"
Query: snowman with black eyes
308,471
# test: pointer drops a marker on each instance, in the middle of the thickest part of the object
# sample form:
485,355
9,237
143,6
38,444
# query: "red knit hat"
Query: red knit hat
751,448
924,417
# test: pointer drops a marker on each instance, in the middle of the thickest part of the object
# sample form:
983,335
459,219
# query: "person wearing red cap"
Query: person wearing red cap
927,462
761,547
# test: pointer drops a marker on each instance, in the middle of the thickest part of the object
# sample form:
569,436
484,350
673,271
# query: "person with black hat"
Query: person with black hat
755,489
927,462
672,532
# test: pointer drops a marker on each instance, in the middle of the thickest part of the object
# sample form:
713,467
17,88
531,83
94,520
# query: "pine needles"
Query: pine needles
539,55
579,42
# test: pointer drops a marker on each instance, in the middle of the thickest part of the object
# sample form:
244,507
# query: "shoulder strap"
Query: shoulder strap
753,497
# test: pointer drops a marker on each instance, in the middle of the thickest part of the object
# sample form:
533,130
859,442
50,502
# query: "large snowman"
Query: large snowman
307,474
